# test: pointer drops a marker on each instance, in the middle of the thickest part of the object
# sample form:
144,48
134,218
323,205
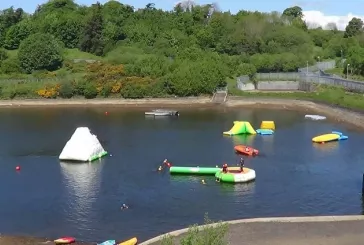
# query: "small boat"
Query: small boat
160,112
326,138
235,175
108,242
264,131
65,240
194,170
131,241
315,117
246,150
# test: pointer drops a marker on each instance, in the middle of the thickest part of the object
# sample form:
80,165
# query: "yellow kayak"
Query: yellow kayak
132,241
325,138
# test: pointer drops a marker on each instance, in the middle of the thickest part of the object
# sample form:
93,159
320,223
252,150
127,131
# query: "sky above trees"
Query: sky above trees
316,12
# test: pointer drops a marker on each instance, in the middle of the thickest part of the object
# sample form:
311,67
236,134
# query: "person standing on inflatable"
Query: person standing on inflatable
224,168
242,162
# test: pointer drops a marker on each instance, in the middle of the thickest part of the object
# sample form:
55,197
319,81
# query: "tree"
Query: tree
91,40
354,27
16,34
293,12
40,52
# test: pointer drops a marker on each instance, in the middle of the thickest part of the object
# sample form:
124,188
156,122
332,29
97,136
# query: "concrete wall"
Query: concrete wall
246,86
278,85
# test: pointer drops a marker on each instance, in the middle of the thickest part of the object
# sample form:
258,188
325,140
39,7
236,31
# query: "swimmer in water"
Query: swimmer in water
124,206
203,182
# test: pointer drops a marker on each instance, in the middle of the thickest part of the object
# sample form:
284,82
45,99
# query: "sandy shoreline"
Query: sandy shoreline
342,115
25,240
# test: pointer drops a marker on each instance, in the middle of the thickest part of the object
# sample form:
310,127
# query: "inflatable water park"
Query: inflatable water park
243,127
83,146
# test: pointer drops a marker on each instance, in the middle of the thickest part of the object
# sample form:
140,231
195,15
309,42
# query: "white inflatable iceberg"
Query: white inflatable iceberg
315,117
83,146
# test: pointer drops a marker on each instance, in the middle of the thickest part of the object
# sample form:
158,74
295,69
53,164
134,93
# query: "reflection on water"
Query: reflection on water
243,139
238,189
192,179
327,147
82,183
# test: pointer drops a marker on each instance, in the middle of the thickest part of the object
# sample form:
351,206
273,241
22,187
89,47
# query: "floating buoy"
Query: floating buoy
17,168
111,155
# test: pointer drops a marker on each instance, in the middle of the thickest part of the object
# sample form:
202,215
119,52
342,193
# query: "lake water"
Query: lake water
53,199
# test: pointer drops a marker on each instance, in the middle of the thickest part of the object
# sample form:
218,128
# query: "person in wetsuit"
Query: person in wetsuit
242,162
224,168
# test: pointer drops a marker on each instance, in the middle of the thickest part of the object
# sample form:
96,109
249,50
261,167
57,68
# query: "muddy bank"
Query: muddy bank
352,117
342,115
175,102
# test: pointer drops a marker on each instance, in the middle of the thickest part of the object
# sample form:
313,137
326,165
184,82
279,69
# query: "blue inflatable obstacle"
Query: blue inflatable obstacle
264,131
341,136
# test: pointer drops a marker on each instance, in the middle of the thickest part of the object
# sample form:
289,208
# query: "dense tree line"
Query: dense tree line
187,51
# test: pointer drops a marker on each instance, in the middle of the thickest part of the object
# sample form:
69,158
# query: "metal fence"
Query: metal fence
308,75
323,78
31,80
324,65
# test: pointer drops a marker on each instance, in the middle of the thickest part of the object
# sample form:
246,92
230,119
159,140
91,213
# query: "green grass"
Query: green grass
12,53
71,54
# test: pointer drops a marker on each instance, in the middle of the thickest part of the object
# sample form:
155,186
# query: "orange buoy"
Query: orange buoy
17,168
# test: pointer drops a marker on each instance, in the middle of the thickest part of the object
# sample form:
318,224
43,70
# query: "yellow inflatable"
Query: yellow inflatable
268,125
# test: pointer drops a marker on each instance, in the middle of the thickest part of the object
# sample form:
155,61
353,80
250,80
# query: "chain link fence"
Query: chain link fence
306,77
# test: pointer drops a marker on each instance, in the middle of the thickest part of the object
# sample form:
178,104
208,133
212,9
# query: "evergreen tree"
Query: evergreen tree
91,40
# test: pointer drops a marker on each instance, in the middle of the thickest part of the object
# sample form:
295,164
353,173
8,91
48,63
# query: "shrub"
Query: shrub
106,90
79,87
10,66
90,91
209,234
40,52
49,92
66,90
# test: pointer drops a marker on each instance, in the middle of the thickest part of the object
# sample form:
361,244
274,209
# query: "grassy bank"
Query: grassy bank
339,71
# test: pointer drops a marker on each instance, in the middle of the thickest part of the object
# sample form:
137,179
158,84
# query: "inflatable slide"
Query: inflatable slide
240,127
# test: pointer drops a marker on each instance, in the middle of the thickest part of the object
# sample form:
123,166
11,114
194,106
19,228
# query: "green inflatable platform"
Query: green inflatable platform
194,170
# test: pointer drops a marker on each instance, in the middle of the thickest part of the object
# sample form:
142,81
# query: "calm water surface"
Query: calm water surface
52,198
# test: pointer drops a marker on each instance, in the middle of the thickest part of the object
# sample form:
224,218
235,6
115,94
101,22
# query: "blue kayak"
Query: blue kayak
109,242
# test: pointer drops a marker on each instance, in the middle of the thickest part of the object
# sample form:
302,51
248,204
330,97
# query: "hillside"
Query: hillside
114,49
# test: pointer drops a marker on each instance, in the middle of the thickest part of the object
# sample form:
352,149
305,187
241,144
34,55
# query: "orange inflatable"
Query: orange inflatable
246,150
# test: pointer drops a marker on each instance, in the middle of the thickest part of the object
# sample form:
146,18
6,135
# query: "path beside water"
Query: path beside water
318,230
